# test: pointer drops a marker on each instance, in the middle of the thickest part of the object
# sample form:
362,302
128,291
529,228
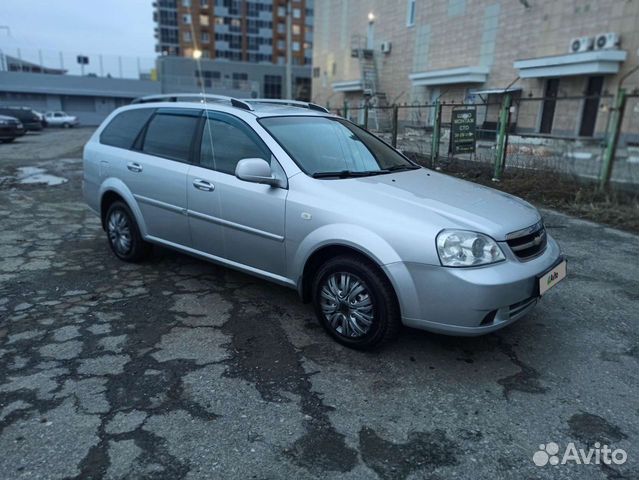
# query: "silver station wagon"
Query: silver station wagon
292,194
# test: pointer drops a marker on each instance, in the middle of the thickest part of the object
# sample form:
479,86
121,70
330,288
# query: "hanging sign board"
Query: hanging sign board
462,132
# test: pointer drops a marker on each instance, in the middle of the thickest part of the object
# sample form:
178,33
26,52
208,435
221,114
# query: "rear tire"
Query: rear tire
65,125
355,303
123,234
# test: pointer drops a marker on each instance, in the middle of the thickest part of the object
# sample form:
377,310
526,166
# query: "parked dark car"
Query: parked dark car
10,129
28,117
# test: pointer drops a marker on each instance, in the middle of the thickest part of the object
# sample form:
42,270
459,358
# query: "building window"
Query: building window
219,20
209,76
169,35
186,36
186,19
205,37
302,89
272,86
281,11
316,72
186,3
235,42
297,13
296,46
410,14
297,29
239,79
204,3
168,18
204,20
281,28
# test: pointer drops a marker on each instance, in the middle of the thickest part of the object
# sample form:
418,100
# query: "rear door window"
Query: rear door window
170,133
125,127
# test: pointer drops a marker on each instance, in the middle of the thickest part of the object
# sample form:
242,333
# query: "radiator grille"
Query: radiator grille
528,243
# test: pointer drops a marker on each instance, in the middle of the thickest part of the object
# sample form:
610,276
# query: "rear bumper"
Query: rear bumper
11,131
469,301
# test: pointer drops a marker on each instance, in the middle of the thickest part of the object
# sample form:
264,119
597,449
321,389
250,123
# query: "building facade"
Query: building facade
91,99
234,79
418,51
237,30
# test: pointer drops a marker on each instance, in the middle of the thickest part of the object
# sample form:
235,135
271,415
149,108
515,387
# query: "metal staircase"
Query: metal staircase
378,118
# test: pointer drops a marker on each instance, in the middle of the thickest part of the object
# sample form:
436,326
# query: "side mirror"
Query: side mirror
256,170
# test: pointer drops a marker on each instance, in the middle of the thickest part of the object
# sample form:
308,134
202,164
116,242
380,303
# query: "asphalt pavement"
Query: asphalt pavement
176,368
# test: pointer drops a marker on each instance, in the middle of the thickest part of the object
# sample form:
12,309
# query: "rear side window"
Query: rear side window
170,135
124,128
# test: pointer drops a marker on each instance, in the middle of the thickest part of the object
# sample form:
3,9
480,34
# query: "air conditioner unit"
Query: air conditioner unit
386,47
605,41
580,44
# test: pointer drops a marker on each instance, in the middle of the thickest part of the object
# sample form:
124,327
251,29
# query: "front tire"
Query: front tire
124,235
355,303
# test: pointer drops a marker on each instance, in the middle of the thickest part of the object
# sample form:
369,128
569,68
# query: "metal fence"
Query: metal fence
42,60
568,135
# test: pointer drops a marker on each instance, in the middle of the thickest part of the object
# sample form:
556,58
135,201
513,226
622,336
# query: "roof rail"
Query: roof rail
193,97
293,103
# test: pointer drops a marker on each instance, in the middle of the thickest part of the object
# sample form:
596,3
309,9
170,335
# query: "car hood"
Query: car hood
440,200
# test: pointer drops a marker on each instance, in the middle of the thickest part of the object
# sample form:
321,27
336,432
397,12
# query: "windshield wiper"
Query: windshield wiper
396,168
348,173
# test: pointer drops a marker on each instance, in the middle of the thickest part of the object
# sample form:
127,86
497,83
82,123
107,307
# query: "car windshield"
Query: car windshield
331,147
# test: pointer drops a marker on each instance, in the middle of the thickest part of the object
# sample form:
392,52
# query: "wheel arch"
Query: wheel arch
319,256
113,190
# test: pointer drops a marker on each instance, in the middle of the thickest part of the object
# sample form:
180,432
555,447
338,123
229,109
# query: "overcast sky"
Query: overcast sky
119,27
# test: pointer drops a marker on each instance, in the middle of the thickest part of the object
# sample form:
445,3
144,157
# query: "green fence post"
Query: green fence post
500,152
434,149
395,111
613,138
366,115
345,109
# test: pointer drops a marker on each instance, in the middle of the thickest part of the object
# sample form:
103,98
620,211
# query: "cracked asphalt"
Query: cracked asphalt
176,368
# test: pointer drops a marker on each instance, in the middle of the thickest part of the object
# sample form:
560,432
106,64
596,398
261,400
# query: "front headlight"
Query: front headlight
461,248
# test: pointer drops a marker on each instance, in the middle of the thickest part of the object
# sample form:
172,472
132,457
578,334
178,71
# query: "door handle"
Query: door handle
203,185
134,167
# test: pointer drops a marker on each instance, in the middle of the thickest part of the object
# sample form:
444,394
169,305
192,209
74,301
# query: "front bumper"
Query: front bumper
469,301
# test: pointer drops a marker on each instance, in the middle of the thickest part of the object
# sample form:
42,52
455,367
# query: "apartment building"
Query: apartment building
417,51
236,30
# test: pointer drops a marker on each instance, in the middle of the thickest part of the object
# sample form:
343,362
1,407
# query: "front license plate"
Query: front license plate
552,277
